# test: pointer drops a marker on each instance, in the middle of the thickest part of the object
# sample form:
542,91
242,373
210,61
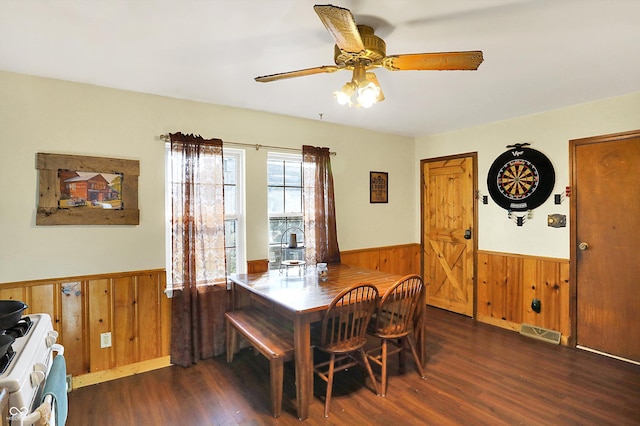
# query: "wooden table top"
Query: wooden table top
307,293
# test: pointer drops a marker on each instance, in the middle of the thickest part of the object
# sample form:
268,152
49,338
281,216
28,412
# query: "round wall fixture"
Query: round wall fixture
521,178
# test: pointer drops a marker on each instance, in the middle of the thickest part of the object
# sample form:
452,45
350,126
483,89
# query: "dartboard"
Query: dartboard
520,179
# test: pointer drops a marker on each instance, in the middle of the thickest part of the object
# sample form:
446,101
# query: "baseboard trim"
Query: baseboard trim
498,322
584,348
120,372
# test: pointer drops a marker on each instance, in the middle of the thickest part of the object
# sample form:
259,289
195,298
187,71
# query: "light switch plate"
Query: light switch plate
557,220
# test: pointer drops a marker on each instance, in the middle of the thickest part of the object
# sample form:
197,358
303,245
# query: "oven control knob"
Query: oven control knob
52,337
37,377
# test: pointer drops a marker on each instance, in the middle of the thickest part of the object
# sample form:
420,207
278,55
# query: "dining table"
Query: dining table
303,297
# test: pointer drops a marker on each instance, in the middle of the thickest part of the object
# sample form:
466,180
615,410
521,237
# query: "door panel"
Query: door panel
448,212
606,197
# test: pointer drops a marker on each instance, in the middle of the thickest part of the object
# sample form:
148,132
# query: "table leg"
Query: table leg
422,344
421,329
304,365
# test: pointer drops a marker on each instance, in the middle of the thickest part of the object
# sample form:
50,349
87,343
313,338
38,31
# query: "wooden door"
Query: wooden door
605,223
449,231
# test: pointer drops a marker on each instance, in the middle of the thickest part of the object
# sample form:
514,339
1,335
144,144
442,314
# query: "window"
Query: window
284,188
234,224
233,165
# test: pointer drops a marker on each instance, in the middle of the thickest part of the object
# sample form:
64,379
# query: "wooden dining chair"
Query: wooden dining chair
343,334
393,322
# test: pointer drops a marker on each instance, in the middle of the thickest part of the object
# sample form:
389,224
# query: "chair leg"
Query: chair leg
327,399
277,380
383,374
365,360
231,342
416,358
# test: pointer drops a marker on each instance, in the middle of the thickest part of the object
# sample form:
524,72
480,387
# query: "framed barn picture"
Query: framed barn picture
80,190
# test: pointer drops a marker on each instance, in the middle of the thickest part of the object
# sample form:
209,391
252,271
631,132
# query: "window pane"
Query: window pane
230,203
293,200
293,174
276,200
275,172
230,170
274,256
276,227
297,222
230,233
231,261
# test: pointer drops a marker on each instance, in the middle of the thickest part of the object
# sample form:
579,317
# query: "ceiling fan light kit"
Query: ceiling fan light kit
359,49
368,94
363,85
343,96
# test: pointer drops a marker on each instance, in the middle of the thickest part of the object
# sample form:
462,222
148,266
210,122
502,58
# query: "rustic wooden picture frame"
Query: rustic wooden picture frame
378,187
49,212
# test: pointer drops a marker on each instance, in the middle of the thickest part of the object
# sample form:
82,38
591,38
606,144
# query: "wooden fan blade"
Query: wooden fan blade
342,26
434,61
298,73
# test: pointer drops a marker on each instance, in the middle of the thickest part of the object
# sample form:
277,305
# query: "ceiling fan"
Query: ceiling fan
359,49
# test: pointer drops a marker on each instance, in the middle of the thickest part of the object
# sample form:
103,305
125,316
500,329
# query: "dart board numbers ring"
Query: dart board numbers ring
521,179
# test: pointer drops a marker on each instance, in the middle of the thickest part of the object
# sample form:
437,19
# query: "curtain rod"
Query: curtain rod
257,146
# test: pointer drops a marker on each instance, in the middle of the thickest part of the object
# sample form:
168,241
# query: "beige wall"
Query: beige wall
548,132
44,115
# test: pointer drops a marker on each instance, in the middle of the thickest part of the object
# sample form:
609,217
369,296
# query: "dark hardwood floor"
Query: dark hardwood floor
476,375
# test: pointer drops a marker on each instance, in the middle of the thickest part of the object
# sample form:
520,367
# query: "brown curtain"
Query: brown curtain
198,246
321,239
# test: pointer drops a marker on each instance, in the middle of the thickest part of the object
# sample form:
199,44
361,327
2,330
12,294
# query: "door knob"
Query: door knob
583,246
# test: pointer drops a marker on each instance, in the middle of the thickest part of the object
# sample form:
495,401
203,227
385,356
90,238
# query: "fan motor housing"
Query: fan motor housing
375,49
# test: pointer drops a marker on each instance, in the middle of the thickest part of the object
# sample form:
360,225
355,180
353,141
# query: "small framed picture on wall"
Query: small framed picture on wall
378,187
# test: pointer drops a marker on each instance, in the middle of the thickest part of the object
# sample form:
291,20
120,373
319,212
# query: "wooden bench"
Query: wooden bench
270,337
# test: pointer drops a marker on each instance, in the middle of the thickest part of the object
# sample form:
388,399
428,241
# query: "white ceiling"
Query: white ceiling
538,54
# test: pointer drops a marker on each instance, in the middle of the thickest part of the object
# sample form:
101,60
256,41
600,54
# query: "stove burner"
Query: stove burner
5,359
21,328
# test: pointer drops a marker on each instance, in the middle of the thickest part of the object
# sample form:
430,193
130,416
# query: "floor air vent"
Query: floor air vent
540,333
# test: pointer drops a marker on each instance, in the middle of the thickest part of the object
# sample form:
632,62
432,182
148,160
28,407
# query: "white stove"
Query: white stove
25,367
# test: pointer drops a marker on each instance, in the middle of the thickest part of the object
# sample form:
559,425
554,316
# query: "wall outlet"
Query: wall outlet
105,340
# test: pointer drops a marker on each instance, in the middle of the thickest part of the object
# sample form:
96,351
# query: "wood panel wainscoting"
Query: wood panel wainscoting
259,265
130,305
400,259
507,284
